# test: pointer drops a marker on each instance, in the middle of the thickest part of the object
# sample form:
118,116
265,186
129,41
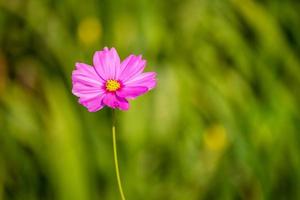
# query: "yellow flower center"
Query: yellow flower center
112,85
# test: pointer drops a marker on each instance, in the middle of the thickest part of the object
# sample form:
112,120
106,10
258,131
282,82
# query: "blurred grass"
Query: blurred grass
222,123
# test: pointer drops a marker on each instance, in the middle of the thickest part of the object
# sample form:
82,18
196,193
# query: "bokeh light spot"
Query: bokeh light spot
215,138
89,31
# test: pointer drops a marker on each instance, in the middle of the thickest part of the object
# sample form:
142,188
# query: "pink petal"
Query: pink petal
147,79
81,89
131,66
87,75
111,100
88,86
90,97
131,92
86,92
107,63
92,104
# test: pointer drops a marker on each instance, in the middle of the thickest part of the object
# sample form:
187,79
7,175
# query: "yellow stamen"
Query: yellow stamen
112,85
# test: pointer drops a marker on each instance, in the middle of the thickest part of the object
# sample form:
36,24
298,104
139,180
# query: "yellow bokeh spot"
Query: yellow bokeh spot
112,85
89,31
215,138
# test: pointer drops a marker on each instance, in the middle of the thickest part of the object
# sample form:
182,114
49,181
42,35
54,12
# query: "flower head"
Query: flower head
111,82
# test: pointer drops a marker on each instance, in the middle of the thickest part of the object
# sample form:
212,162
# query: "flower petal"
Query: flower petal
147,79
131,66
92,104
80,89
90,97
111,100
107,63
131,92
88,86
87,75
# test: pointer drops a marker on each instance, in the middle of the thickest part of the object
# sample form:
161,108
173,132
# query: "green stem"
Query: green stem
115,154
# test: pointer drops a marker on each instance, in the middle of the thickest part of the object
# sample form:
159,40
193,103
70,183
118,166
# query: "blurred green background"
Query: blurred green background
222,123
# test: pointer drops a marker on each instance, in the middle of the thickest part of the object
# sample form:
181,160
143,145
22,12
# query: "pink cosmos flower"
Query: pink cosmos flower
111,82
